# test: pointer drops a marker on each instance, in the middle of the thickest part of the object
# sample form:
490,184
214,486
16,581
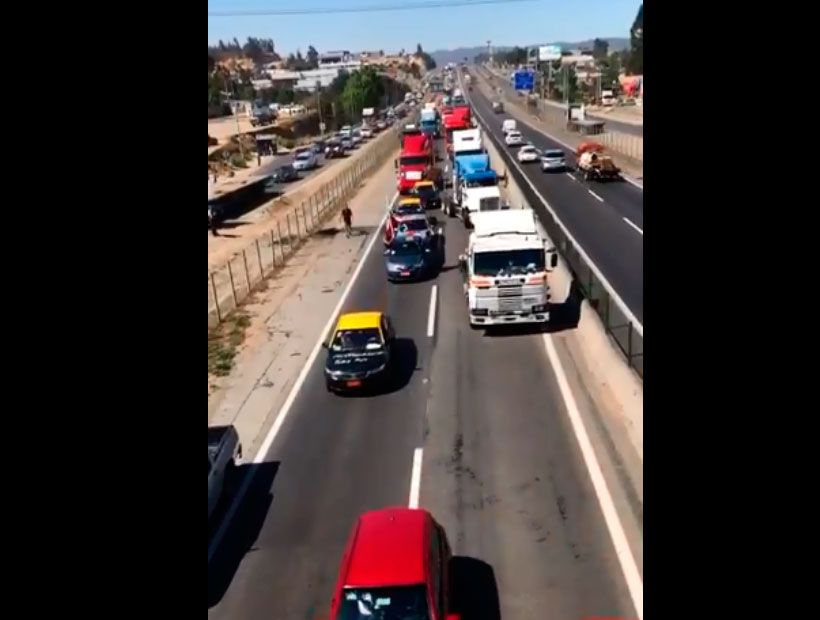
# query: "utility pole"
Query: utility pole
236,118
319,107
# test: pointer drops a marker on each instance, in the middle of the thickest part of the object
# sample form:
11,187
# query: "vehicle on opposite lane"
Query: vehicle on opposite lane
514,138
395,567
528,154
305,159
360,352
553,160
284,174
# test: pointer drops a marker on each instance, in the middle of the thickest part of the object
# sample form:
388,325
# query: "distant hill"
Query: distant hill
442,57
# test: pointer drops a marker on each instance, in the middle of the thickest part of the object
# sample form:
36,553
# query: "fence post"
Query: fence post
247,272
281,243
216,299
304,218
233,287
272,248
290,234
259,255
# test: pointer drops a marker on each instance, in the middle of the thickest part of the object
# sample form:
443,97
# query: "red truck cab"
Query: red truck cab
415,162
395,565
456,121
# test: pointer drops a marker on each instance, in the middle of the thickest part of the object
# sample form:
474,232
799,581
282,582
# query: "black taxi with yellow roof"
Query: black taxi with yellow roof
428,194
360,352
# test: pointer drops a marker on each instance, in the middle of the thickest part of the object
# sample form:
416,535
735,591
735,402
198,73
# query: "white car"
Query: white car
305,160
553,159
514,138
528,153
366,132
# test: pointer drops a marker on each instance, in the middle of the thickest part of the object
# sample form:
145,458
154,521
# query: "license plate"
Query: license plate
354,383
405,273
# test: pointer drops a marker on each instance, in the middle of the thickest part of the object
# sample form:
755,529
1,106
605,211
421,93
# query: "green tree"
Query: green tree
635,58
611,68
363,89
312,57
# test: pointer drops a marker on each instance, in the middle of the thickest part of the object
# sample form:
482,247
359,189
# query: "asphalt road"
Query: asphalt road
610,123
605,218
501,471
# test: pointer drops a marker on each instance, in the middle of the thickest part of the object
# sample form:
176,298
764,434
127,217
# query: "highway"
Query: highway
606,219
501,469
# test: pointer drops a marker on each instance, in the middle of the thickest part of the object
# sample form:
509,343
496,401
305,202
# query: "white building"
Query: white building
330,65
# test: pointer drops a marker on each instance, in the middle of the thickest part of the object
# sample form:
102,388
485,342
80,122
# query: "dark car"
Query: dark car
318,147
430,196
347,142
412,260
334,148
285,173
360,352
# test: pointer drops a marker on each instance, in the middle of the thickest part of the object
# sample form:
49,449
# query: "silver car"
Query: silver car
553,160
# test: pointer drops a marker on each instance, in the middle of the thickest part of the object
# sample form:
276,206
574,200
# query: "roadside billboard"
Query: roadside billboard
549,52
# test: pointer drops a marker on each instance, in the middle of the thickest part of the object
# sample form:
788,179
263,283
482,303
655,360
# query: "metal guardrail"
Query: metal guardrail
618,321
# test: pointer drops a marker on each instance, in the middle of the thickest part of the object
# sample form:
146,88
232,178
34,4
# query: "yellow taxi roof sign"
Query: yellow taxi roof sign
359,320
424,183
410,200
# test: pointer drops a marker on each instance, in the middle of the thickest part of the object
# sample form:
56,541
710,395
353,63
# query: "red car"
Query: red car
395,566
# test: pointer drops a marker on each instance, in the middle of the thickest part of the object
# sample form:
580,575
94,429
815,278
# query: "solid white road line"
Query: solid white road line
595,195
634,581
624,308
571,176
294,392
415,478
633,225
431,316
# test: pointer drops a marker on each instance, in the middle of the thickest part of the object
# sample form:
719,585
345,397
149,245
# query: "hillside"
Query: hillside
457,55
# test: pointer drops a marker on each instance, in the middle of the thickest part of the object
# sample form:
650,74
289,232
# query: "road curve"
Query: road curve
501,470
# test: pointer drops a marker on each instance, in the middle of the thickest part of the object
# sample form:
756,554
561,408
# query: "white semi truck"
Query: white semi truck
505,269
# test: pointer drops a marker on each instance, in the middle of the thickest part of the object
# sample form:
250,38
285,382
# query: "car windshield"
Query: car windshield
405,249
554,154
529,149
413,225
304,155
414,160
284,170
392,603
357,339
508,262
426,191
409,208
514,134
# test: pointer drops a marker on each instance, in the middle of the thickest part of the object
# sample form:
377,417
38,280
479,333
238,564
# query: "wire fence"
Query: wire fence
231,283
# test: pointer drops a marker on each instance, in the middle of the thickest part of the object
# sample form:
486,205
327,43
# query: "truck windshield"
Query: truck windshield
508,262
414,160
394,603
486,182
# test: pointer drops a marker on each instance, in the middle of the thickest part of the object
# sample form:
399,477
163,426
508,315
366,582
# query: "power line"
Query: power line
362,9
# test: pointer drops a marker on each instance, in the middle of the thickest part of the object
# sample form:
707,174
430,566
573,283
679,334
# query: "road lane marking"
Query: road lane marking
628,221
431,316
415,478
596,195
294,392
571,176
634,581
624,308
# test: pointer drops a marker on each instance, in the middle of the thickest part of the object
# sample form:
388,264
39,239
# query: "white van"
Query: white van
508,125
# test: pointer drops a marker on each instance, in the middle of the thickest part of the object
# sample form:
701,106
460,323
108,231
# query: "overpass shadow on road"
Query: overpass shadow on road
243,529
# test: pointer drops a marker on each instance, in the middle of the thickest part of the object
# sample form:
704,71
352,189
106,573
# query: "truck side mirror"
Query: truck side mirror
553,259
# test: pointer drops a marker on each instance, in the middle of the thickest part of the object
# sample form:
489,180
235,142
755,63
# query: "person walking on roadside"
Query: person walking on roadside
212,222
347,218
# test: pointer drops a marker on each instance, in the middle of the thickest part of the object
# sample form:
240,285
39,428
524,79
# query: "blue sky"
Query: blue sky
538,21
